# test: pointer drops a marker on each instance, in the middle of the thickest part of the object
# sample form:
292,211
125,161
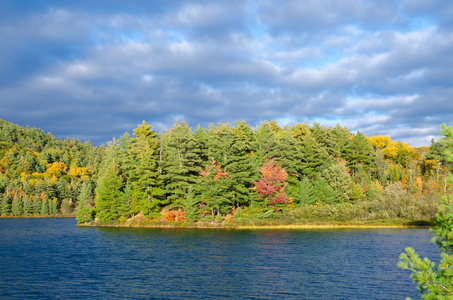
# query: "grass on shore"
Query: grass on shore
307,224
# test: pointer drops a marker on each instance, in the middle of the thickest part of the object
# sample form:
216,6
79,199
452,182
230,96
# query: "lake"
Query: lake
51,258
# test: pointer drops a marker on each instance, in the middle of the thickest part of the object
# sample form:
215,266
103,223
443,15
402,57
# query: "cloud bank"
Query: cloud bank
95,70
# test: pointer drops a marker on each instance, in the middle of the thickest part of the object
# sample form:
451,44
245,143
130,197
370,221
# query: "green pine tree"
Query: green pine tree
109,202
44,206
190,205
181,161
337,176
36,209
28,205
212,187
361,155
144,171
289,156
304,193
85,202
314,157
53,206
323,192
17,206
265,145
241,167
5,205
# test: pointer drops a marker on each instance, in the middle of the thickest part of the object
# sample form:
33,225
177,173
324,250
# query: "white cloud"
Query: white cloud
226,61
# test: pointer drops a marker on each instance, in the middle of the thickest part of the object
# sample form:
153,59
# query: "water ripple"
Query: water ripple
54,259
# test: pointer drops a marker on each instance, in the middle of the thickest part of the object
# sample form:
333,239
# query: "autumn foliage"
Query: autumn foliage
172,215
272,185
212,168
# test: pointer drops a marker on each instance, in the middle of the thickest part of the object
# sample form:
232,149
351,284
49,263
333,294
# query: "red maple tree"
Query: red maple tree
272,185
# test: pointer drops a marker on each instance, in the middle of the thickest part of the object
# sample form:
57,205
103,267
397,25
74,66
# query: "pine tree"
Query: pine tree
5,205
66,207
328,138
304,193
85,200
17,206
289,156
323,192
36,205
213,185
44,206
53,206
144,171
265,143
220,150
360,154
241,168
109,202
314,157
62,189
28,205
181,162
340,143
190,205
337,176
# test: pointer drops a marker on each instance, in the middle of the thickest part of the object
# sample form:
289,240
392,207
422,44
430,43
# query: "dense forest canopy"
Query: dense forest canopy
221,173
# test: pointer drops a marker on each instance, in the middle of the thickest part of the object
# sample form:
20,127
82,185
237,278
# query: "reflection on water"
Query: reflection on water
52,258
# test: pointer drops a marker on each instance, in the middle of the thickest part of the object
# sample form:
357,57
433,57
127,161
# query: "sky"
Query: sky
96,69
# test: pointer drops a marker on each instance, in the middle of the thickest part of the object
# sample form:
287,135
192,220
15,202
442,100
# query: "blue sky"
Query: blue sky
95,69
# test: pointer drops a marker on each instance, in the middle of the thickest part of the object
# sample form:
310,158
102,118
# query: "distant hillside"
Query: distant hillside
42,175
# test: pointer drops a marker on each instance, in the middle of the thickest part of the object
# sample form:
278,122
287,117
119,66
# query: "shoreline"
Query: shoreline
257,227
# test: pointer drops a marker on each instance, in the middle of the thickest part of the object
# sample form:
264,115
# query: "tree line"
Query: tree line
222,173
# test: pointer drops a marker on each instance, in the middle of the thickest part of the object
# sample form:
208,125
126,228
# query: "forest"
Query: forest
223,174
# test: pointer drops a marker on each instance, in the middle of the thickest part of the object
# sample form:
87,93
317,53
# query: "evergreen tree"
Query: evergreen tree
17,206
26,187
144,173
36,209
341,139
181,162
328,138
109,202
190,205
220,151
265,143
66,207
314,157
62,189
338,178
360,154
85,200
323,192
212,187
4,182
201,138
289,156
28,205
304,193
241,168
45,206
53,206
5,205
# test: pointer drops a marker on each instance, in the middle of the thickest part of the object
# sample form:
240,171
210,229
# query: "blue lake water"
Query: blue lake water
51,258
